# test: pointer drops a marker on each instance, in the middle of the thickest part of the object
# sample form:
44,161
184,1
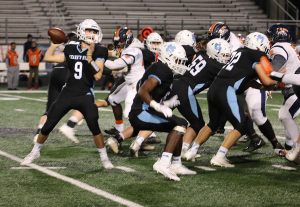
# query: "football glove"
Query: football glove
172,102
165,110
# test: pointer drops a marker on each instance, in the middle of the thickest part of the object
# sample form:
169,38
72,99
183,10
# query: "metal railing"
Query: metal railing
9,28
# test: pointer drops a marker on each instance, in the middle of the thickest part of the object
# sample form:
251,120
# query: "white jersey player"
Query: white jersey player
132,58
285,60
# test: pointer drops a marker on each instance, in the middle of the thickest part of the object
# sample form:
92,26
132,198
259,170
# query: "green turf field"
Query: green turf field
253,182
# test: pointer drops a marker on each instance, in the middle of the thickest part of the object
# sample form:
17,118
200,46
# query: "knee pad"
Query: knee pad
180,129
258,117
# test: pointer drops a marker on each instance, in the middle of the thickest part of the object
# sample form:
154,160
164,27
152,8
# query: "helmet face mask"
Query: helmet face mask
186,37
89,32
154,41
258,41
219,30
219,50
173,54
279,33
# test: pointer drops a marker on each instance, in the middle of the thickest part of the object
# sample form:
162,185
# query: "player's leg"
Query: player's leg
56,112
68,130
115,98
90,113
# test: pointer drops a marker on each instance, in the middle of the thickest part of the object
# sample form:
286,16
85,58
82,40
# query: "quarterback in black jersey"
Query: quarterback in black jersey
245,65
199,76
85,61
149,112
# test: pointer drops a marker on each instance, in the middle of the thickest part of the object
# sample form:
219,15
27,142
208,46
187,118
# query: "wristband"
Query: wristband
95,66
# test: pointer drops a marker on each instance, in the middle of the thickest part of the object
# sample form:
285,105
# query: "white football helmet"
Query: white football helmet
173,54
186,37
258,41
218,49
89,24
154,41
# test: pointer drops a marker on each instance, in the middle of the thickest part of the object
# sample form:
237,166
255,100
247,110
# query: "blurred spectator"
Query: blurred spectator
27,45
12,67
34,57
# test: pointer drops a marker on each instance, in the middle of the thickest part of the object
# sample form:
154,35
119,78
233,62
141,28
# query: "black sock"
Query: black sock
119,138
71,123
268,132
38,131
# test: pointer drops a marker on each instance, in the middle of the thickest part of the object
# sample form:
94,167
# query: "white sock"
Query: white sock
119,127
102,153
140,140
222,152
185,145
166,158
73,119
152,135
37,147
195,146
176,160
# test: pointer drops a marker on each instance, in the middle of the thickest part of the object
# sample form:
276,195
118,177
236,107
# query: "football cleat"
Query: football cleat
112,131
190,154
220,161
180,169
279,150
107,164
134,148
69,133
30,158
152,140
292,154
165,170
254,145
113,144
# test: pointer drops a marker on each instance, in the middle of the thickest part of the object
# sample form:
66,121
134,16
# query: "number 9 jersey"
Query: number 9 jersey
81,78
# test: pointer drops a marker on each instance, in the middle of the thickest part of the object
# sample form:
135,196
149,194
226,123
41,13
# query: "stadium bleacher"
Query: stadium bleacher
18,18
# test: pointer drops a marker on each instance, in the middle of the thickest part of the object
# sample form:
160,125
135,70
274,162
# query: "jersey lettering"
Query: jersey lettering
235,58
78,70
197,65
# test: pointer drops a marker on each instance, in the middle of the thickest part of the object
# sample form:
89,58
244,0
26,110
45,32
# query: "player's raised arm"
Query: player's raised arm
50,55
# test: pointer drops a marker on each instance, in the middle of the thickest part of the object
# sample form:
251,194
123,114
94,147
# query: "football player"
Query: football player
187,39
245,65
149,112
85,63
285,60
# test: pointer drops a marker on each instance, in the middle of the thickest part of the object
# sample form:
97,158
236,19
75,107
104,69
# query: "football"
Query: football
57,35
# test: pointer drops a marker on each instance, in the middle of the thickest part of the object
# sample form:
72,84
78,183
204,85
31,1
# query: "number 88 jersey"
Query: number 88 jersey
240,69
201,72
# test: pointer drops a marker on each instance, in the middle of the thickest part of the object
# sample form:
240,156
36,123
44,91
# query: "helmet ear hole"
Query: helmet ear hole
89,24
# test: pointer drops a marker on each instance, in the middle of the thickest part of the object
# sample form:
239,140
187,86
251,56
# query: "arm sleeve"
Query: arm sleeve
277,62
116,64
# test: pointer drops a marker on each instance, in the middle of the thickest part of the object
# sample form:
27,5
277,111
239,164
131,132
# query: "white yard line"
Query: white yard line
38,91
75,182
205,168
284,167
29,168
22,97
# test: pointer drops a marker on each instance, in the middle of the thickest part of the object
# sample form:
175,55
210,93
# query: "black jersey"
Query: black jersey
190,52
201,72
240,69
148,57
81,78
164,75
